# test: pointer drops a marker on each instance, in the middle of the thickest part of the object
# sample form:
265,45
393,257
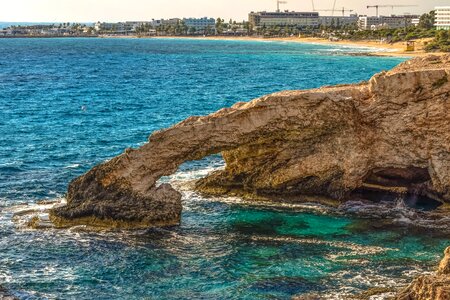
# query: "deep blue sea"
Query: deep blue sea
69,104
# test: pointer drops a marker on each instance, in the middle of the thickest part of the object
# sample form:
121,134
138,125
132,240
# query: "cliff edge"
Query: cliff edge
388,135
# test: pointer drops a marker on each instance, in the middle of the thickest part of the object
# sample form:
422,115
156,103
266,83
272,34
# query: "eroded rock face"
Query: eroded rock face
390,134
432,287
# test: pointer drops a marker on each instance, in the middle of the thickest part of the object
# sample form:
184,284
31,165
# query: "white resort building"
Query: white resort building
442,20
200,24
286,18
165,22
393,21
338,20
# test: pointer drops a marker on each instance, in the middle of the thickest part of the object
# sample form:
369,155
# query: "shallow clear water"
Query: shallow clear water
68,104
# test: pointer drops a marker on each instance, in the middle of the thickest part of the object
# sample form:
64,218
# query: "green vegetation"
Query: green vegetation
178,29
427,20
441,42
143,29
220,24
390,35
283,31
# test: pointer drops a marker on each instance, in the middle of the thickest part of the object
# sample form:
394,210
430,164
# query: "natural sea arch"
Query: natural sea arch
390,133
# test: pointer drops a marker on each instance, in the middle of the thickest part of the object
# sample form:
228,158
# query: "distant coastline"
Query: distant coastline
47,37
376,48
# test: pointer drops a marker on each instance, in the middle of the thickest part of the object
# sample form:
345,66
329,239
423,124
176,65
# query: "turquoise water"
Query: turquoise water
69,104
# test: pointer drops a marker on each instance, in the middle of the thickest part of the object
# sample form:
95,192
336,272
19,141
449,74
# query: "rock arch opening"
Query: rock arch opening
194,170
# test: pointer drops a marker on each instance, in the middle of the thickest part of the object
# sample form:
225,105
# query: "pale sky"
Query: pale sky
143,10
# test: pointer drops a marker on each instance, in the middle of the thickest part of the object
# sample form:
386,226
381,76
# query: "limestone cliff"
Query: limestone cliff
390,134
431,287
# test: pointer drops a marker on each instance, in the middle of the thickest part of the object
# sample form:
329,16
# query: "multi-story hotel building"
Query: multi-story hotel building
286,18
442,18
367,23
338,20
200,24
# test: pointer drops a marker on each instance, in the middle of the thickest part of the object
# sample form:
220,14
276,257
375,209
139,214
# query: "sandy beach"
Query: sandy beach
379,48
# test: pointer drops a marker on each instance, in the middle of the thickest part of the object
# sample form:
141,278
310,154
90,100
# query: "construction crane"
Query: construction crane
334,7
278,4
332,10
392,6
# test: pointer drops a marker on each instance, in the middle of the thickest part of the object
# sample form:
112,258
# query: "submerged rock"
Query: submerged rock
390,135
431,287
5,295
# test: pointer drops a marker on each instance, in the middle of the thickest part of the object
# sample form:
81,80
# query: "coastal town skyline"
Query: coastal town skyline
140,10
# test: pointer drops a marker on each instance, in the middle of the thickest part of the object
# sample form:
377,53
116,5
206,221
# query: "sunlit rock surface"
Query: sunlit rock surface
388,135
432,287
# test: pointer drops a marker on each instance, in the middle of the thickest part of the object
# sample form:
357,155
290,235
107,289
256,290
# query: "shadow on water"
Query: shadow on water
266,226
286,285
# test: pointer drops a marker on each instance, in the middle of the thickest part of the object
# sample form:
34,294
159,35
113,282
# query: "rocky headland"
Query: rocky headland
389,135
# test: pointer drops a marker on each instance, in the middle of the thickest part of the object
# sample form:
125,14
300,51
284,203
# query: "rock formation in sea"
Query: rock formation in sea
430,287
388,135
4,295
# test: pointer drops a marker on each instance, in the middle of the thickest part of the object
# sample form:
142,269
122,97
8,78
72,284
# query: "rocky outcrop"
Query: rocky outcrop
432,287
390,135
5,295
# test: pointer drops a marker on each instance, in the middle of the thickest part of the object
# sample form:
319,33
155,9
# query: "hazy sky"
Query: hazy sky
137,10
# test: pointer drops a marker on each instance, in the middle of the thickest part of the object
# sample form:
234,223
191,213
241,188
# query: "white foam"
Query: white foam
190,198
398,213
355,248
21,214
73,166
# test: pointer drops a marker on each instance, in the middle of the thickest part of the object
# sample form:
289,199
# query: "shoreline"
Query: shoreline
379,49
374,48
